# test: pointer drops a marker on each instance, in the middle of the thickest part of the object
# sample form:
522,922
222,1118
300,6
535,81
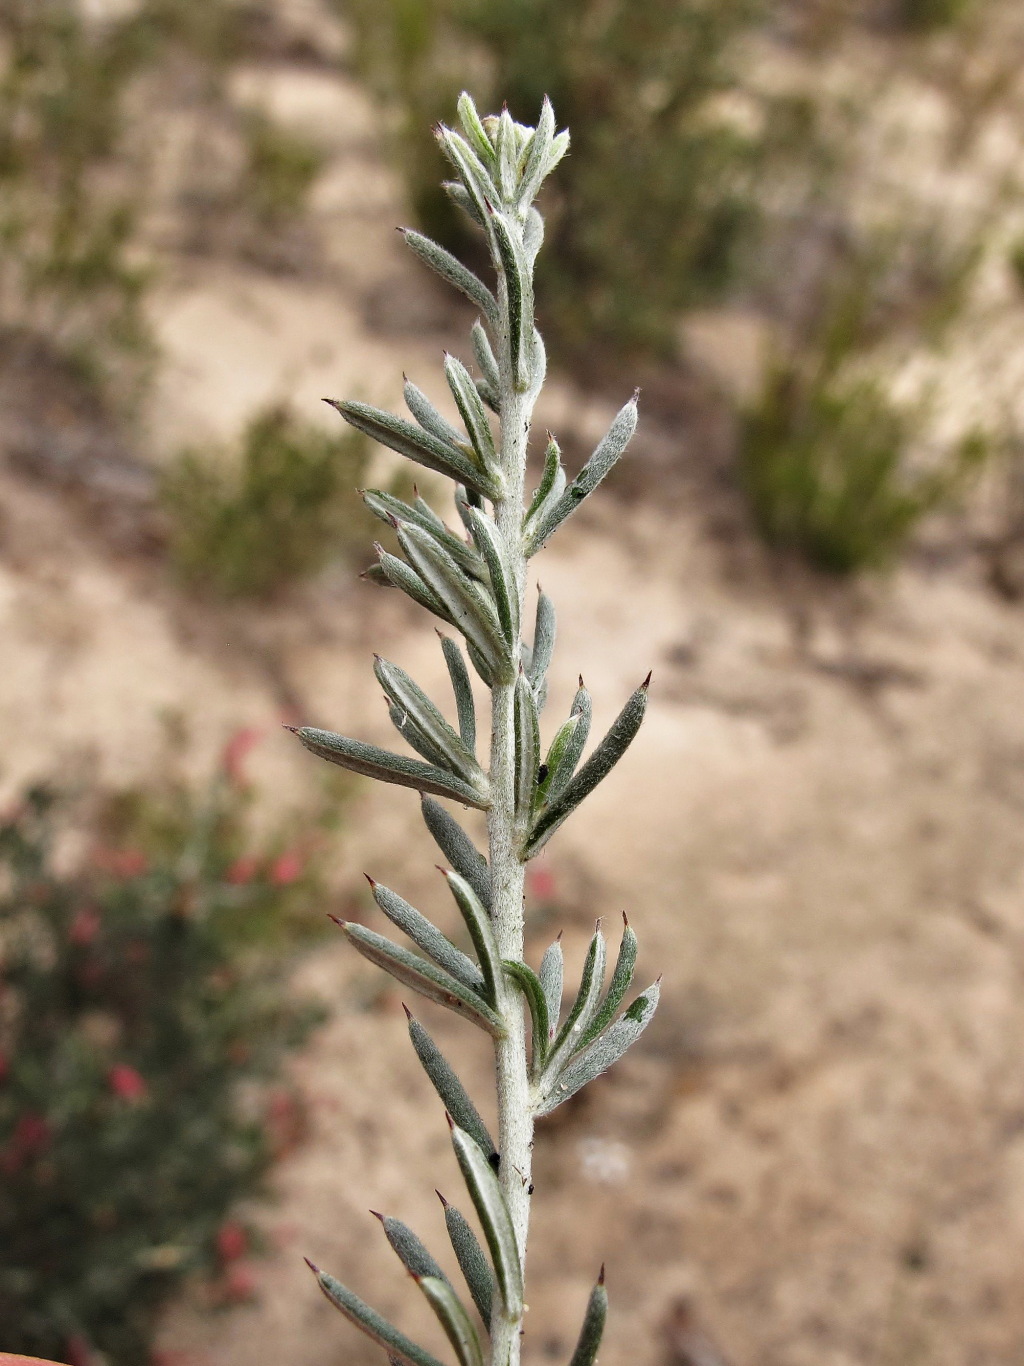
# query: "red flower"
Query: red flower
243,870
541,884
125,1082
287,868
231,1242
235,753
85,926
239,1283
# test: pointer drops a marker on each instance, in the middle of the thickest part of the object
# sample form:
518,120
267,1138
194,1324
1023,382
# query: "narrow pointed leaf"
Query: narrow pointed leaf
374,1325
412,735
552,466
474,175
507,149
538,363
558,756
471,409
387,767
485,356
605,456
536,167
458,848
602,1053
552,971
559,147
400,575
495,1220
464,704
472,1262
459,195
519,282
450,268
611,749
422,976
583,1009
417,445
503,589
593,1326
543,644
622,978
488,394
451,1091
530,985
428,937
429,418
427,512
474,130
409,1250
391,509
406,694
478,922
533,235
576,742
527,742
464,600
452,1316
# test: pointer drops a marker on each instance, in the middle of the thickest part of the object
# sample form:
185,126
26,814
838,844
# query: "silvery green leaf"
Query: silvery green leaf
427,512
478,922
622,978
503,588
387,767
584,1008
593,1326
472,1262
552,970
507,148
450,1090
474,129
488,395
471,409
519,282
400,1347
495,1219
533,235
475,177
559,147
559,756
459,195
428,937
450,268
536,167
374,573
544,629
453,1319
413,736
575,744
400,575
485,355
538,363
605,456
466,603
598,766
417,445
547,485
408,1248
603,1052
391,509
406,694
464,500
464,704
458,848
430,419
422,976
530,985
527,742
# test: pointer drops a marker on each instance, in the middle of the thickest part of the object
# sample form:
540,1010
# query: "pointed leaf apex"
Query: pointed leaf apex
312,1266
451,1122
377,1215
636,395
440,1197
408,1012
582,684
647,681
371,880
294,729
625,920
600,1279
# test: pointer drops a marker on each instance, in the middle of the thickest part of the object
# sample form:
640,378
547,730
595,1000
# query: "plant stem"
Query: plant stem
515,1111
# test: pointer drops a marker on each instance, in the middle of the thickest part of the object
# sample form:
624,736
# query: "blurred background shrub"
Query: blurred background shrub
281,509
144,1014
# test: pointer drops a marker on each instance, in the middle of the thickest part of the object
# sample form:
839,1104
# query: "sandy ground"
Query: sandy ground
819,1146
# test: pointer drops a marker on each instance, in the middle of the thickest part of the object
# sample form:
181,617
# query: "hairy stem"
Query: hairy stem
515,1114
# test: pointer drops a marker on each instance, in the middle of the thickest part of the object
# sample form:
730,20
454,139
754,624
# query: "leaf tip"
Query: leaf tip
647,681
312,1266
600,1278
440,1197
408,1012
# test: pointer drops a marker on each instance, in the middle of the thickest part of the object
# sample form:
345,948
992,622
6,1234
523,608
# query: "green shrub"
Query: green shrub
639,84
141,1018
280,170
280,512
824,464
922,16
